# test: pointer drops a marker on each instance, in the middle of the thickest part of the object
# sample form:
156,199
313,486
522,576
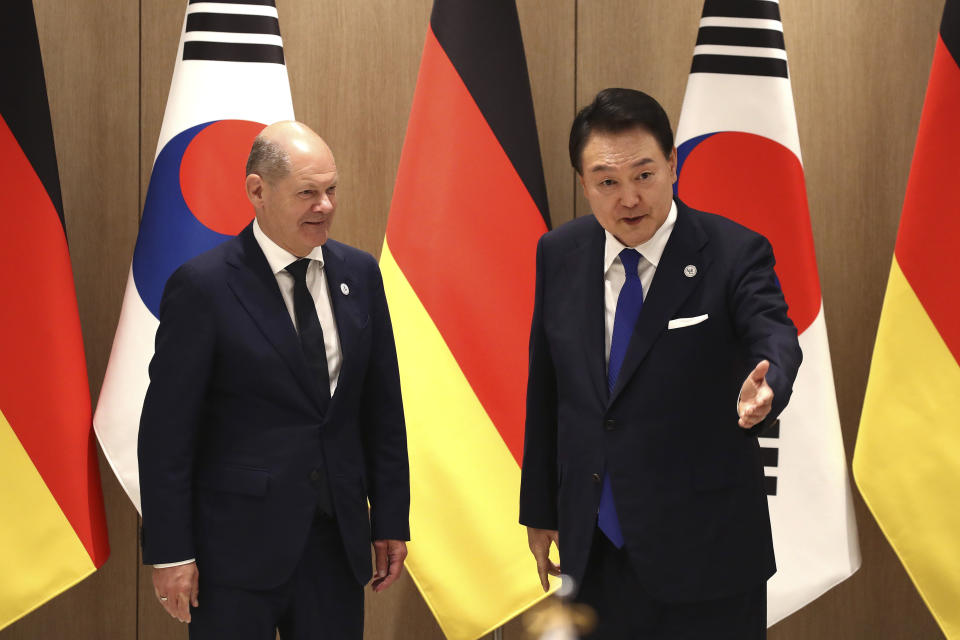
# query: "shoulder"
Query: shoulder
572,234
351,256
208,267
722,232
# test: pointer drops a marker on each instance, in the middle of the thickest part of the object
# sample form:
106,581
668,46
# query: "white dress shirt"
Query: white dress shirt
614,275
278,258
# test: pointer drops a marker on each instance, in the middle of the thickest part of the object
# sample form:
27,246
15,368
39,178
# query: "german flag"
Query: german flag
907,460
52,527
458,264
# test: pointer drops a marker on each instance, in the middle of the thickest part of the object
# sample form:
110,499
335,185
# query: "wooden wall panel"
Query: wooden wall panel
90,53
549,38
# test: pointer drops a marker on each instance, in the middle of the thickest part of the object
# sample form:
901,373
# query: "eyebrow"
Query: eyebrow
604,167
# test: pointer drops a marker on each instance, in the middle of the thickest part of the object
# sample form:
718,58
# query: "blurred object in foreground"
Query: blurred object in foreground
558,617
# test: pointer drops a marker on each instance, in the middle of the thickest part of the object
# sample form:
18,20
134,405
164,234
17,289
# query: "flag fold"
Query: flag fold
907,458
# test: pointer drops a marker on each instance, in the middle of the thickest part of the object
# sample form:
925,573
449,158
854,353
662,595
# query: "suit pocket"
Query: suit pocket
233,479
679,323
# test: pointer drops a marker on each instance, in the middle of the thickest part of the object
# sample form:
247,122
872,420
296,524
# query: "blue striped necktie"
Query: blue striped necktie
629,304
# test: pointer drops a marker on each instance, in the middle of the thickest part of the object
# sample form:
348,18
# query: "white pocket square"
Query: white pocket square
679,323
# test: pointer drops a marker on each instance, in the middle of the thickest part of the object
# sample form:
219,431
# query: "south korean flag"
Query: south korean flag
739,156
229,81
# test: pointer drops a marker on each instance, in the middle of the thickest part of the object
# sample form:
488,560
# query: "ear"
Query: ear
255,190
672,161
583,183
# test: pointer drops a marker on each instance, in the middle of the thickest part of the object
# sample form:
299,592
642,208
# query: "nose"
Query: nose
324,203
629,197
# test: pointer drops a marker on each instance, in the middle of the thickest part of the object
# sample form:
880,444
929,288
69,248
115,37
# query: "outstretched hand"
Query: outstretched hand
756,397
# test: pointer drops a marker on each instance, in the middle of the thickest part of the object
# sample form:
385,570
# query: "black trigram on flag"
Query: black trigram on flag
234,31
744,37
770,454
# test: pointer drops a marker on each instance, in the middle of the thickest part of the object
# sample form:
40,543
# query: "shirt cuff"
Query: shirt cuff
166,565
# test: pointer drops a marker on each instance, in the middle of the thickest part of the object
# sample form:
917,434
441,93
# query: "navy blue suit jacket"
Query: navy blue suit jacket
687,480
233,443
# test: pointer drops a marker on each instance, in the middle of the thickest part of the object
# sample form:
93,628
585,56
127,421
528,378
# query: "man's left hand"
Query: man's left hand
389,556
756,397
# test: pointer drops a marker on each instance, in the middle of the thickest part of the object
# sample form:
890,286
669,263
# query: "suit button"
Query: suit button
610,425
596,478
314,475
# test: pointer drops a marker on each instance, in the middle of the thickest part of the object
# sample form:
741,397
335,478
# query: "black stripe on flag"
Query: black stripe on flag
233,23
762,9
950,29
485,46
23,101
770,485
265,3
741,37
770,456
739,65
232,52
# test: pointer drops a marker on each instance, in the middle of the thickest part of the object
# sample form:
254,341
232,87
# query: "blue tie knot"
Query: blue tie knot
630,258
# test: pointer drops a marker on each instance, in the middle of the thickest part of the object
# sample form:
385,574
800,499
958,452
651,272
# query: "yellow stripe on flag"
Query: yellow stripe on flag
909,435
40,554
468,553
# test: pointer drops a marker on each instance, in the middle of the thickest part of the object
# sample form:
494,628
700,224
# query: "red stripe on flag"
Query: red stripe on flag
928,243
759,183
43,379
463,229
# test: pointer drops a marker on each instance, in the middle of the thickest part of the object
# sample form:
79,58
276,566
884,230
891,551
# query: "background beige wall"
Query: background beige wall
859,69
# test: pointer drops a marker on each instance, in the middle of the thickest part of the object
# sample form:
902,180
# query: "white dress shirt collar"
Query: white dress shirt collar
651,250
277,257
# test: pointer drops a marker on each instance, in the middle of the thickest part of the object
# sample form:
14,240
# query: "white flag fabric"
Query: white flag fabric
229,81
739,156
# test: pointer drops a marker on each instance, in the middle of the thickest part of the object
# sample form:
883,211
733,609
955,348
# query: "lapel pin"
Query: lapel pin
689,271
344,289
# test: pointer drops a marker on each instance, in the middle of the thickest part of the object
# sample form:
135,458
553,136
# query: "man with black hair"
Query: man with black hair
660,346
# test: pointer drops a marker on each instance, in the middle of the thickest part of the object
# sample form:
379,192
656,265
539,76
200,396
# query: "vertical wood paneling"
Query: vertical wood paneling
90,54
548,38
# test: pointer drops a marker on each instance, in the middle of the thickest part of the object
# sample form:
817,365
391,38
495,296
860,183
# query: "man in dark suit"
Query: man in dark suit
660,347
273,415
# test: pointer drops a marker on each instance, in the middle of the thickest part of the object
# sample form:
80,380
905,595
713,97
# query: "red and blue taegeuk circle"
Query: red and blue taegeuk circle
195,201
758,183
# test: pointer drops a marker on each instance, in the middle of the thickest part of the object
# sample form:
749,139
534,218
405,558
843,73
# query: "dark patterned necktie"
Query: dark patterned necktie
308,326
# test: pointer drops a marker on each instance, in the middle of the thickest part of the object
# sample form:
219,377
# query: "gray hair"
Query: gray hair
268,159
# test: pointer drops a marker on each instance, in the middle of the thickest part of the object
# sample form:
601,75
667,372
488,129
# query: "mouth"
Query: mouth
634,220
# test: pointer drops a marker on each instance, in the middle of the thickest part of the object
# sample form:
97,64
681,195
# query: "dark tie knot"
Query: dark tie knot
298,269
630,258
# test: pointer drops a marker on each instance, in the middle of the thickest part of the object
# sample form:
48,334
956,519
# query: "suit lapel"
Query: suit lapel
255,286
344,295
670,287
585,268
